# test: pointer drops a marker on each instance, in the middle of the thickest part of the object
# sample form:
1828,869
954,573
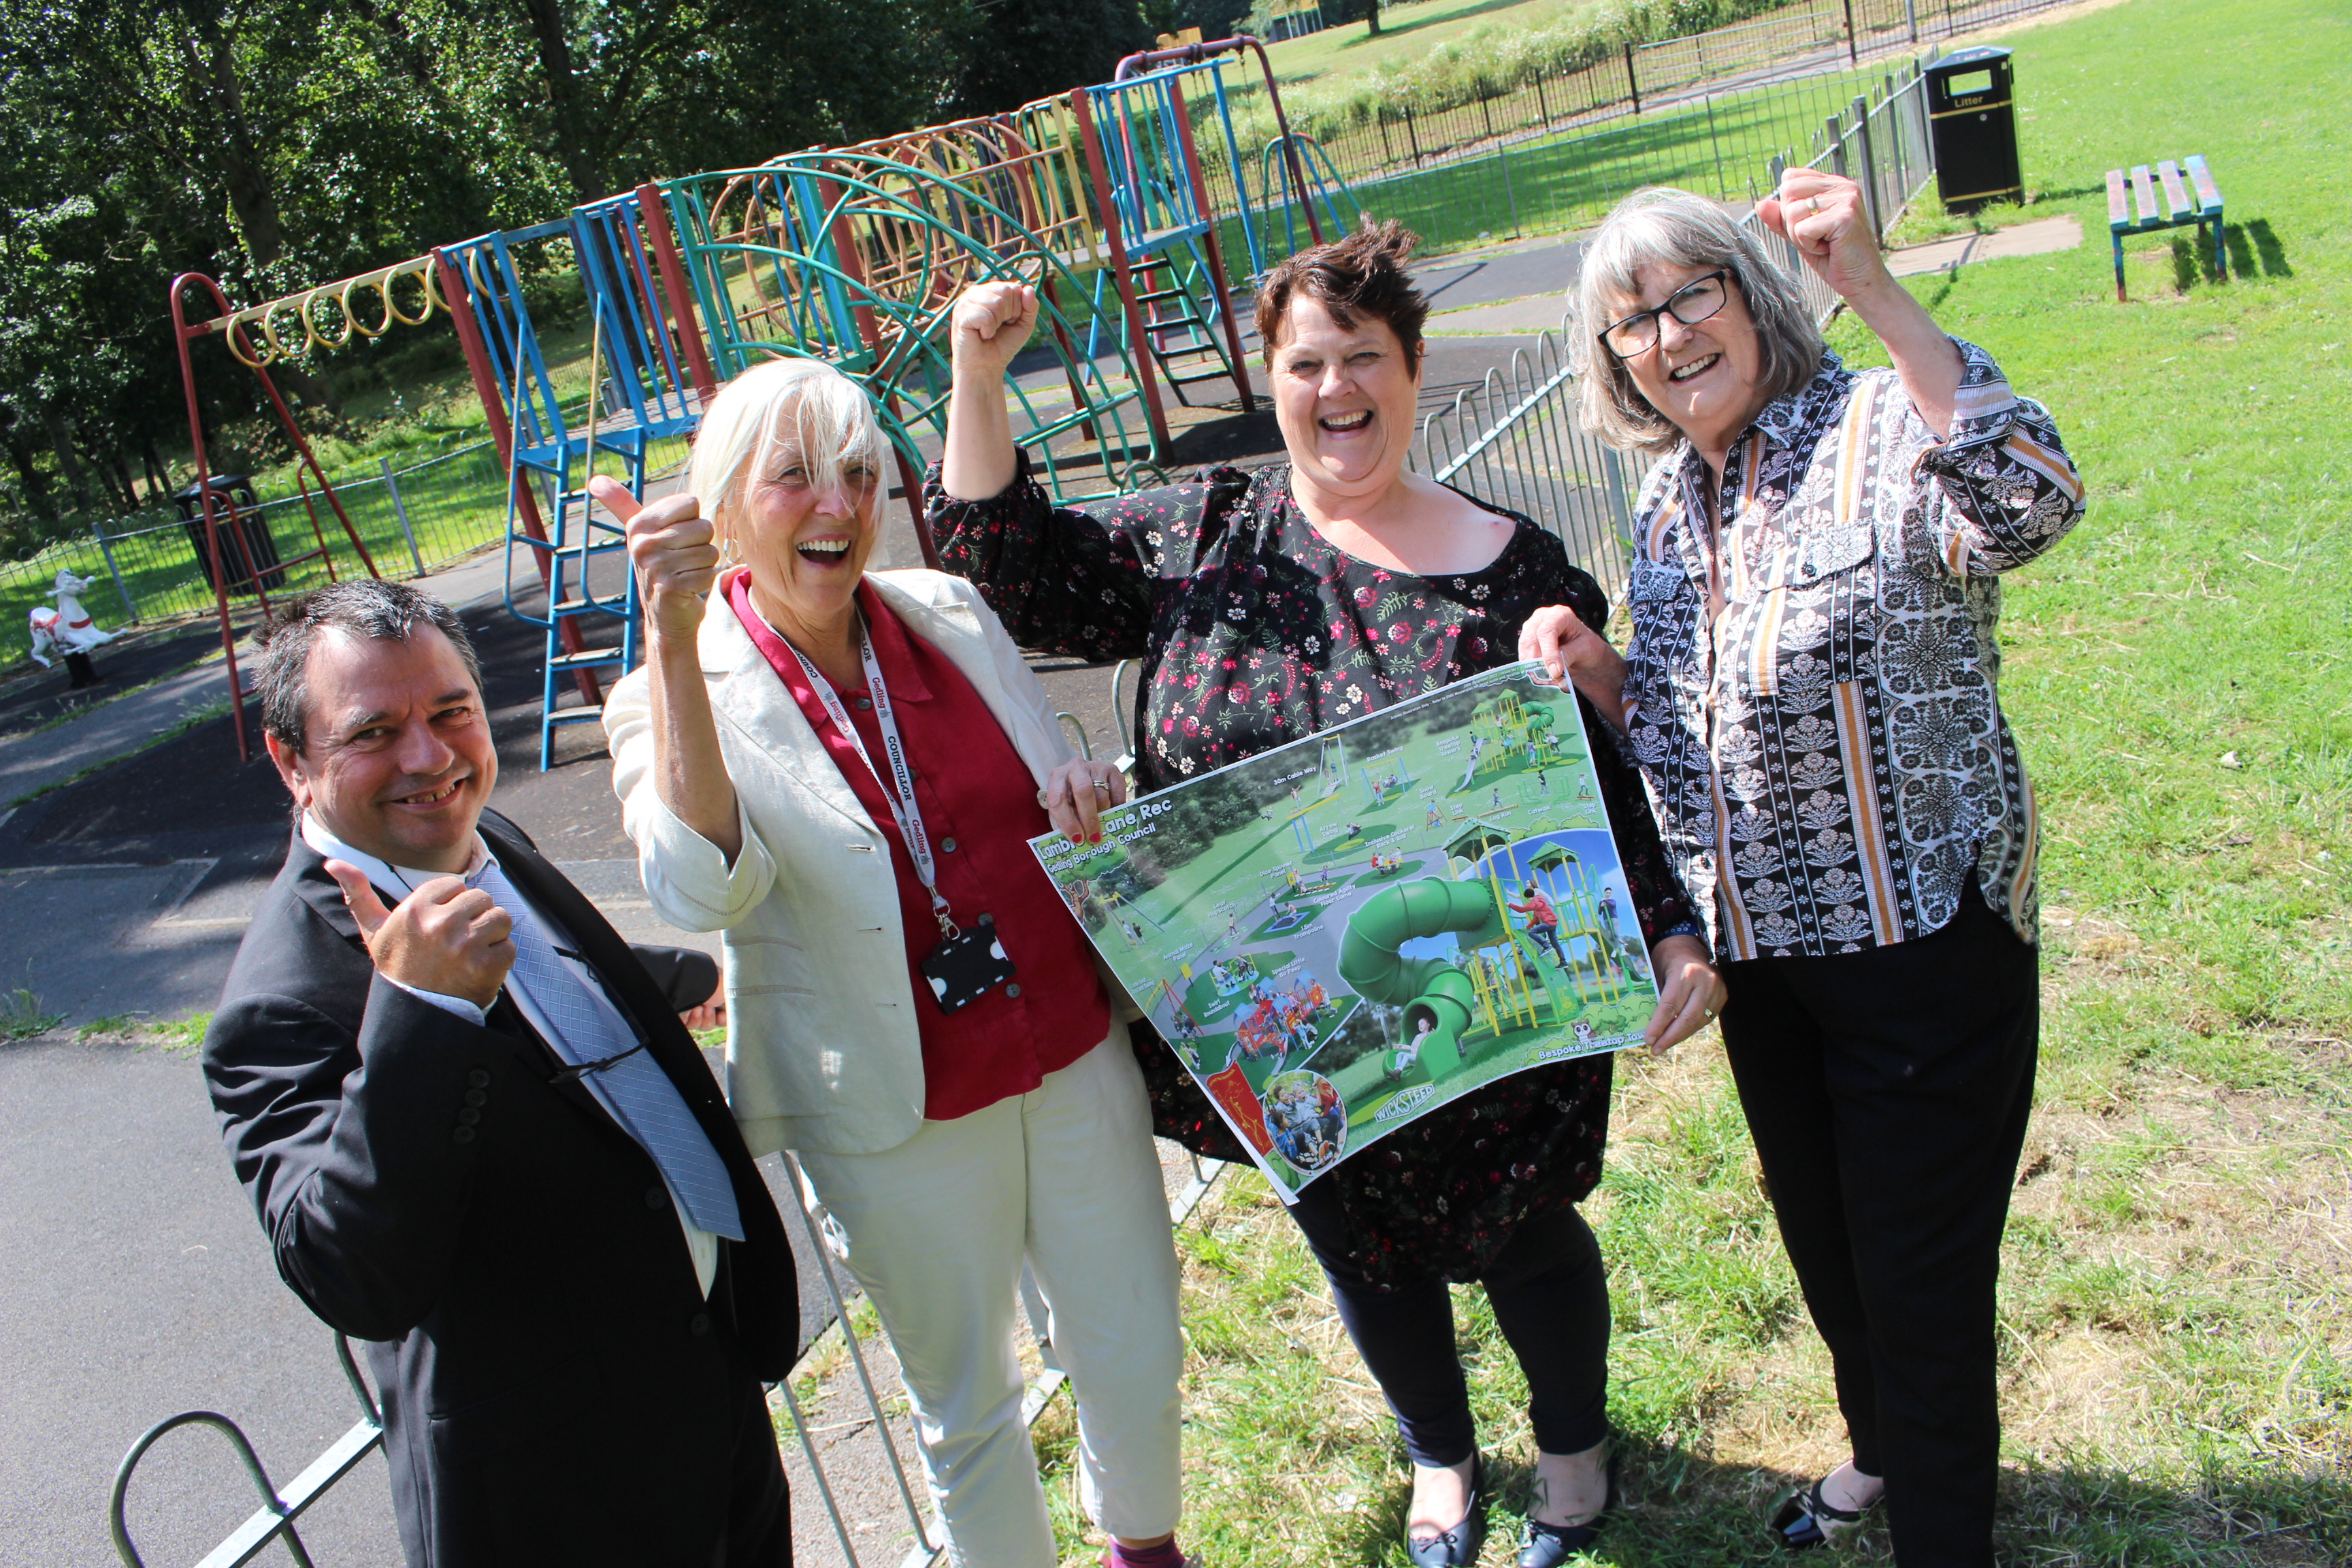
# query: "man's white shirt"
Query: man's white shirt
396,883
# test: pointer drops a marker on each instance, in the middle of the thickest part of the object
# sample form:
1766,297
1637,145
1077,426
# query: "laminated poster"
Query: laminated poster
1344,933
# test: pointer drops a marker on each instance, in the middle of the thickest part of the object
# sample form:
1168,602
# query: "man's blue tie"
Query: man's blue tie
591,1029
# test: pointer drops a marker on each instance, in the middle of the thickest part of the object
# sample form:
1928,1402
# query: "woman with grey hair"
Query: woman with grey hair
1810,689
841,769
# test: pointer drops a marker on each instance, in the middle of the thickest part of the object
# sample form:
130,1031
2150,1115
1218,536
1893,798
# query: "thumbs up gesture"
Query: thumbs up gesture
674,550
444,937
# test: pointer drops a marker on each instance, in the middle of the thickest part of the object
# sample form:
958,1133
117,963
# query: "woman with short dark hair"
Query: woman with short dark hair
1811,690
1263,607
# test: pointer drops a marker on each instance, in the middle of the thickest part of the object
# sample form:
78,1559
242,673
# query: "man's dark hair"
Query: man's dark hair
366,607
1362,274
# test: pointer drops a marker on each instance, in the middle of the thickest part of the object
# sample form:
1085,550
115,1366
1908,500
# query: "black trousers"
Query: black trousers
1887,1091
1550,1295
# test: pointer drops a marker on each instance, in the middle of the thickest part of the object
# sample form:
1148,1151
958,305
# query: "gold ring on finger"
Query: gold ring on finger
1812,205
1102,787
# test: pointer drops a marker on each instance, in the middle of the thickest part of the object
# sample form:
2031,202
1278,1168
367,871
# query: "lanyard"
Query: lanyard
900,788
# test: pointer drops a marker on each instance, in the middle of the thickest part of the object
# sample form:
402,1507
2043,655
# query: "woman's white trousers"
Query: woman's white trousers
937,1228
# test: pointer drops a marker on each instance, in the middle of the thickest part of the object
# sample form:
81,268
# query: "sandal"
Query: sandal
1805,1521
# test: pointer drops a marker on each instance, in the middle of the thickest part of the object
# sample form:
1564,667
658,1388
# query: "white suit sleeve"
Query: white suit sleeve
687,876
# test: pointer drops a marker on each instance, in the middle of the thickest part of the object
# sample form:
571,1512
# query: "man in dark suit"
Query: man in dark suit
478,1134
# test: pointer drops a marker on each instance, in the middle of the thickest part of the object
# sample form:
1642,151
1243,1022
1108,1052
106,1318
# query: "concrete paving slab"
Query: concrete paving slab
2041,237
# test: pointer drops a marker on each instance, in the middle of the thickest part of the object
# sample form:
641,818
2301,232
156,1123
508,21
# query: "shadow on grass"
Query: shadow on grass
2253,243
1677,1508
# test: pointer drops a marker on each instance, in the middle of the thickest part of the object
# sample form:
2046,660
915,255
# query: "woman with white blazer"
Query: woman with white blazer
839,770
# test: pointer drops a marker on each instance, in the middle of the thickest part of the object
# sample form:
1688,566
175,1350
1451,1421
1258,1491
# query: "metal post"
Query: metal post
130,610
1852,51
400,511
1860,109
1911,19
1504,159
1632,83
1718,146
1836,145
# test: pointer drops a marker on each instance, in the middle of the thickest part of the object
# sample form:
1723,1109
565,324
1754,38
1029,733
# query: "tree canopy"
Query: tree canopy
277,144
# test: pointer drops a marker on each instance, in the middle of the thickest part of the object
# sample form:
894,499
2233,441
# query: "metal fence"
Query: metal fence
1515,441
151,566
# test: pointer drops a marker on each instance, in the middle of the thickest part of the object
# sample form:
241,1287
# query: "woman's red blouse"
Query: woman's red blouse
980,809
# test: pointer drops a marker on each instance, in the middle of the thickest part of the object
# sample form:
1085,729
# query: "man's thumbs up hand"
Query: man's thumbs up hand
445,937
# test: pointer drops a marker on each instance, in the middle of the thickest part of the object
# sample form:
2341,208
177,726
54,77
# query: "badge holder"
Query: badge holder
966,965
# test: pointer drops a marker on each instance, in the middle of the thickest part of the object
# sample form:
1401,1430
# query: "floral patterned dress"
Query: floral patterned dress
1254,631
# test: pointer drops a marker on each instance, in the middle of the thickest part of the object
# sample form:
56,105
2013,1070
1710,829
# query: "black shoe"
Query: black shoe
1548,1545
1806,1522
1457,1547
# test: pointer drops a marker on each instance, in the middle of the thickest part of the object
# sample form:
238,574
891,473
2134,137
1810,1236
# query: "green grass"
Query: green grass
2178,1353
182,1036
1336,58
1569,180
21,1016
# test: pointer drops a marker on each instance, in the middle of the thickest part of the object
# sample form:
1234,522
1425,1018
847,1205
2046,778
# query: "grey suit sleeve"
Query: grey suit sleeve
360,1152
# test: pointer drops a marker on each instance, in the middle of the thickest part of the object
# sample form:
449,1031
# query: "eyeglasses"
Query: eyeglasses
1692,303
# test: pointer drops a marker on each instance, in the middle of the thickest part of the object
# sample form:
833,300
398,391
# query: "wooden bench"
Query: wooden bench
2179,209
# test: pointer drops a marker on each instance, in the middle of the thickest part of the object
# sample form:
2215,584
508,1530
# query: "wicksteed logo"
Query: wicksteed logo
1404,1104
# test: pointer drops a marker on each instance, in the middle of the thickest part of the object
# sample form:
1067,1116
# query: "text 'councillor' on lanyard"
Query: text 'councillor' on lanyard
966,965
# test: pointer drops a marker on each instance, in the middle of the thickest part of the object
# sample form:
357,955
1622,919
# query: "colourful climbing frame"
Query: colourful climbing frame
859,259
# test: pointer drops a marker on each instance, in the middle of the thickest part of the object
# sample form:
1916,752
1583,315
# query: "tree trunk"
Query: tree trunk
61,441
570,121
120,473
313,391
36,483
159,473
244,173
1372,17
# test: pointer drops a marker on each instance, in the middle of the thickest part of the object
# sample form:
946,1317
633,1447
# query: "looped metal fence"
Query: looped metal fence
1516,442
274,1520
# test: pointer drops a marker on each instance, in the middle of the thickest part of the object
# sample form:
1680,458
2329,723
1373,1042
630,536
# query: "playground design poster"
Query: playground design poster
1343,934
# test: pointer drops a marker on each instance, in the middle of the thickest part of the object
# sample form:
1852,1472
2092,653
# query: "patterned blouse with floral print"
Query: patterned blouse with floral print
1254,631
1837,740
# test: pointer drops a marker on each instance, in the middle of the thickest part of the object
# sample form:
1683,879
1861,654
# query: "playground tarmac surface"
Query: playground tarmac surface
139,1284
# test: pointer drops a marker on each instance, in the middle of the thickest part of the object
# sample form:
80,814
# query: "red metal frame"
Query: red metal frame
1122,269
653,213
183,335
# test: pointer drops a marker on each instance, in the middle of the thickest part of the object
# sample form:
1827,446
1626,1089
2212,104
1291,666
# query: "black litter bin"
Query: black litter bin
1972,120
233,491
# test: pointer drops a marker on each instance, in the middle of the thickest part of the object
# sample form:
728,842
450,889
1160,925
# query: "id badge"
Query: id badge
966,967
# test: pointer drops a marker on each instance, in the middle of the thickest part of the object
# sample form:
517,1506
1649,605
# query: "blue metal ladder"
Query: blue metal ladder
639,394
